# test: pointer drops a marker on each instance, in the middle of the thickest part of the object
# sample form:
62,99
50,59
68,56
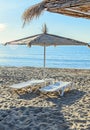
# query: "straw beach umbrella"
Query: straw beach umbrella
75,8
44,39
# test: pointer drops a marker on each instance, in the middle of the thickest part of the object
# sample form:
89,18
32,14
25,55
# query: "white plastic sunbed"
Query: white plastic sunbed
29,83
26,84
56,87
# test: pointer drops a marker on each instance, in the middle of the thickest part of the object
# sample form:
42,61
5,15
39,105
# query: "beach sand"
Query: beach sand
36,111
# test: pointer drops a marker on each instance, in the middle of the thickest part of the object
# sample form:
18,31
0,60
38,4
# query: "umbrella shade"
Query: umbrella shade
45,39
75,8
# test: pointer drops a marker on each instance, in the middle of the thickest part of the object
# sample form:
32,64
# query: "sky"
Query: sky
11,23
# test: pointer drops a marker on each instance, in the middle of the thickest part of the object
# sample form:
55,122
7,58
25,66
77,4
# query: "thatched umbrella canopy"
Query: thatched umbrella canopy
45,39
75,8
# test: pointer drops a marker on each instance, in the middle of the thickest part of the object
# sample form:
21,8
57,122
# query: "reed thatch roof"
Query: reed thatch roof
75,8
45,39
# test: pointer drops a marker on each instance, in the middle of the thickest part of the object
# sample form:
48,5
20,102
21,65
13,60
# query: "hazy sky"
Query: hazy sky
11,23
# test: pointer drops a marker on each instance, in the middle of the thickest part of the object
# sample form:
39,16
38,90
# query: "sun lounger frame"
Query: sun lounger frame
57,87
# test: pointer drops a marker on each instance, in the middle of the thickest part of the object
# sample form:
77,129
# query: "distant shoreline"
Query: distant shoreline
45,67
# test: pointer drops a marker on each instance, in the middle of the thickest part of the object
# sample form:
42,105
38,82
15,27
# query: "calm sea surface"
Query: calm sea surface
56,57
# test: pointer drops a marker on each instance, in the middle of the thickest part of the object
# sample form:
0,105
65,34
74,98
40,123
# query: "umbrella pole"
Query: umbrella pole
44,61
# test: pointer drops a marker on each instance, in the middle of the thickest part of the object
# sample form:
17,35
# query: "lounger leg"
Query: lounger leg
62,93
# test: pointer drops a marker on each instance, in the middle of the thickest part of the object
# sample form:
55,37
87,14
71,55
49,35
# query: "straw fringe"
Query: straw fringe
34,11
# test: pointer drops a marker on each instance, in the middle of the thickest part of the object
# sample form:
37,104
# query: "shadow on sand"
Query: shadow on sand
68,98
38,117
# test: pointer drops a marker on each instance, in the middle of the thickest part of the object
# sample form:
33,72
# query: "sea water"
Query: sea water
56,57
